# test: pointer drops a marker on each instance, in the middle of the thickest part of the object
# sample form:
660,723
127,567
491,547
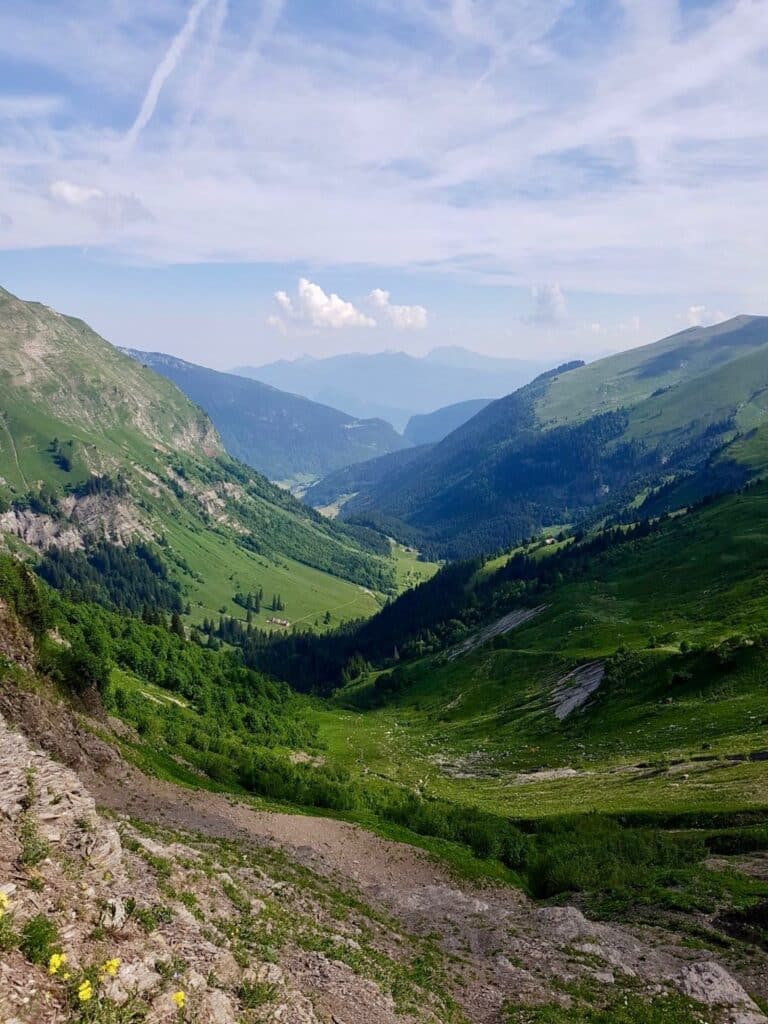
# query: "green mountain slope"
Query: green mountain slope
670,624
338,487
579,440
92,445
288,438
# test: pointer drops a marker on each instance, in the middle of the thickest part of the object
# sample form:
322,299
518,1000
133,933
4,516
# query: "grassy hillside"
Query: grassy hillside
93,444
252,891
678,620
580,441
289,439
630,377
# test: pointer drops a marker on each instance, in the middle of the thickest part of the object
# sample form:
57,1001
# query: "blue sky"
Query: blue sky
236,180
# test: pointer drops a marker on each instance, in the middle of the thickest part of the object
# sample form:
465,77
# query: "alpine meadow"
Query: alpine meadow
384,512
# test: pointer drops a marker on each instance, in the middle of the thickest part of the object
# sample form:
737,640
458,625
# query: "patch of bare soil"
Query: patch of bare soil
546,775
497,945
476,765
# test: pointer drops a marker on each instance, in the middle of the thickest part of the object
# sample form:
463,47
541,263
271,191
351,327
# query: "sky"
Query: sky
236,181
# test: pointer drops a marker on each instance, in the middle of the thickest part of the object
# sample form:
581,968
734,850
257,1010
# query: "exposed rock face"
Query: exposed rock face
574,689
105,515
503,625
711,984
40,531
94,515
64,813
15,642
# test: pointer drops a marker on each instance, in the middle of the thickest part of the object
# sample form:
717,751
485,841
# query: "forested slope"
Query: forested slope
578,441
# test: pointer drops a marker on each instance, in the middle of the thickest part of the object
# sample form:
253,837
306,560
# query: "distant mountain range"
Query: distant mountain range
394,385
689,411
430,427
289,438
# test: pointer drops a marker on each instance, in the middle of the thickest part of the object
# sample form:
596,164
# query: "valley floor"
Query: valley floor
362,929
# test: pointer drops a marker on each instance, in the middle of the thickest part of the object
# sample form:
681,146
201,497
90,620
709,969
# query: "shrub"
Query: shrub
39,939
256,993
598,854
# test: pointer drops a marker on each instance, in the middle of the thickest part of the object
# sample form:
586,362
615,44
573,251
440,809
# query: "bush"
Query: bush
598,854
39,939
256,993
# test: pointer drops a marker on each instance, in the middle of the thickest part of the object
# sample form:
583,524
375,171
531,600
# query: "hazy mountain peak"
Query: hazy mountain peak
394,385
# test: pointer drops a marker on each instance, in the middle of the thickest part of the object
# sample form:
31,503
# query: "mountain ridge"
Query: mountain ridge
392,385
578,438
431,427
93,446
287,437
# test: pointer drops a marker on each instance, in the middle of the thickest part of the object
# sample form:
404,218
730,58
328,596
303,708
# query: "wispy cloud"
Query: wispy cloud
164,70
105,208
27,107
505,140
700,316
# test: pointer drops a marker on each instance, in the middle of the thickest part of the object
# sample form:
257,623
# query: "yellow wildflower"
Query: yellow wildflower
66,976
4,901
111,967
178,1000
85,991
56,962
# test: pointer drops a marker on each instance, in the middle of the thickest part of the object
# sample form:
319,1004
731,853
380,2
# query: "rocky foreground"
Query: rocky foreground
166,905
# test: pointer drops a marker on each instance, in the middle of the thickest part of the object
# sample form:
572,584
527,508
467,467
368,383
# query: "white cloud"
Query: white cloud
700,316
107,209
19,107
317,308
405,318
549,306
70,194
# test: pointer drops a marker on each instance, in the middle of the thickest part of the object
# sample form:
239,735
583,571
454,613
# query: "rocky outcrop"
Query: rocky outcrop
574,689
712,985
16,644
94,515
503,625
40,531
147,918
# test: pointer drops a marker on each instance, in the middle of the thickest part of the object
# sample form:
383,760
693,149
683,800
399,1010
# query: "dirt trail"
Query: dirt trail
504,947
15,453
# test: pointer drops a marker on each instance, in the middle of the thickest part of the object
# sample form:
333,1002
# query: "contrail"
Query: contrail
219,17
163,71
